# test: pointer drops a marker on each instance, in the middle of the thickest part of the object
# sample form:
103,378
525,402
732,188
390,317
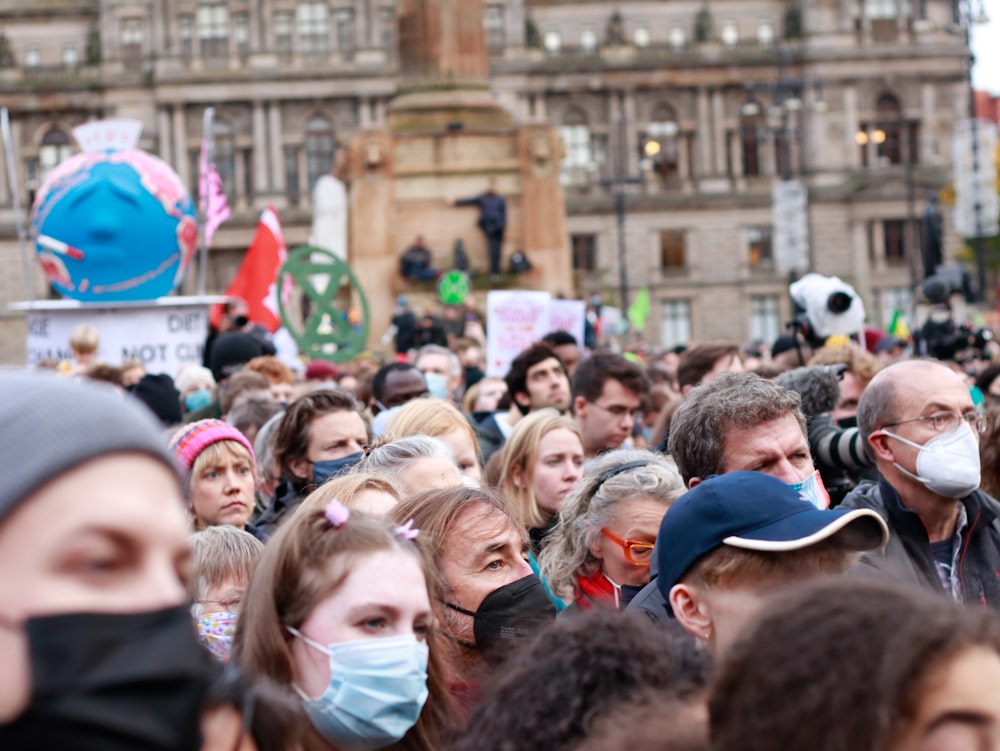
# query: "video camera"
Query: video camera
940,337
829,306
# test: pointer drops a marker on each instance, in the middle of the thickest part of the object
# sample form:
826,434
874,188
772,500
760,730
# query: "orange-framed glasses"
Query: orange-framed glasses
637,552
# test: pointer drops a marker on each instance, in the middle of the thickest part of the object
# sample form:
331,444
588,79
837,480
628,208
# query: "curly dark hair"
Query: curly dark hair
838,666
549,694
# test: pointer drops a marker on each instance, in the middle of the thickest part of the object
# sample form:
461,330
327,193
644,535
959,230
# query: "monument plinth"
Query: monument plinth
447,137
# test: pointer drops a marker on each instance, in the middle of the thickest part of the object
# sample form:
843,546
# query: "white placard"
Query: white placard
569,316
162,337
789,216
514,321
108,135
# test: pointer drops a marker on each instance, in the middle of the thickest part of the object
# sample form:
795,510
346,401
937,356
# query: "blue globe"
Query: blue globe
114,226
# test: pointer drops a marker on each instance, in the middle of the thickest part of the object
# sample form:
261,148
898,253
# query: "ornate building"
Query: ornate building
677,118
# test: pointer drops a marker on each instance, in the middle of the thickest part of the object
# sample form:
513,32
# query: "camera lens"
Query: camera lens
839,302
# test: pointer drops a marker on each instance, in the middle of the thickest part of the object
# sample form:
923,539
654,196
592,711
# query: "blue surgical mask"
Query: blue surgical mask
197,399
813,490
377,690
437,385
323,471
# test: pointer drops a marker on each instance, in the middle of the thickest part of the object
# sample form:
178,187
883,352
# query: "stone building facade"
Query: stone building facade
687,111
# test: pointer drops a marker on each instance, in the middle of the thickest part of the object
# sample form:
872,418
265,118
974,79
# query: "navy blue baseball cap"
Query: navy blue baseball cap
753,511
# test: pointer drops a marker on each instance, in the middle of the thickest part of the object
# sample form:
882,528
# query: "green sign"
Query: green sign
453,287
329,319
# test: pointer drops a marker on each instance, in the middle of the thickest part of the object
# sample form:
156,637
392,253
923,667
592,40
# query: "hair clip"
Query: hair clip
336,513
407,531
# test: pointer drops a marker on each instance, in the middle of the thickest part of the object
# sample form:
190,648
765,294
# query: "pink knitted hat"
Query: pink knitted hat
194,438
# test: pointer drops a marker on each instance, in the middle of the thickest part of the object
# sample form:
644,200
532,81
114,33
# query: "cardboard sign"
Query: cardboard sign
569,316
161,337
514,321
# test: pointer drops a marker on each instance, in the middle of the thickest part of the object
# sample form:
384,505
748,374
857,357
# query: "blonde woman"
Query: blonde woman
598,555
540,463
439,419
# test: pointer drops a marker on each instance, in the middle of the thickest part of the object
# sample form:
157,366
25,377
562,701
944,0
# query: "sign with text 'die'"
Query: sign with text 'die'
161,337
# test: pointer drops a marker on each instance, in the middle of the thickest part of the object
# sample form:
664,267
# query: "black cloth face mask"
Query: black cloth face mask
112,682
508,616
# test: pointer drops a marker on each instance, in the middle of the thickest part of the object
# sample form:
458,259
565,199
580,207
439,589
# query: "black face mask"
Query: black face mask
509,616
240,321
847,422
112,682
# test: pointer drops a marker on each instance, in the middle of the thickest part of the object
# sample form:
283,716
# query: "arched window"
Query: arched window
55,147
224,156
660,143
579,159
751,127
889,129
319,149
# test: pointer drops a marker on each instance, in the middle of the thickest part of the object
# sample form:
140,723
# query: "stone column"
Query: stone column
276,144
364,111
305,189
163,134
878,245
736,151
718,132
704,130
631,136
240,178
851,126
260,142
928,130
683,168
180,145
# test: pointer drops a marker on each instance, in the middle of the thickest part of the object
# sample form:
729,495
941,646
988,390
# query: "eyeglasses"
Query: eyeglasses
231,604
620,410
637,552
945,422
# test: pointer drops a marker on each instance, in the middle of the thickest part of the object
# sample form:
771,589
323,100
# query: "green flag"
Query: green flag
638,311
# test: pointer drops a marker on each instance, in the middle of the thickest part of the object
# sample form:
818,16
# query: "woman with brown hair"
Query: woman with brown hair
339,613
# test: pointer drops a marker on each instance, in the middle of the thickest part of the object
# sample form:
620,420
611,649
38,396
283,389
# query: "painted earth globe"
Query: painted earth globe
114,226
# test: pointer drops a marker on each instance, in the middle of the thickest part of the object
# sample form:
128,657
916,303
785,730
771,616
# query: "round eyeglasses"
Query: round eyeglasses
637,552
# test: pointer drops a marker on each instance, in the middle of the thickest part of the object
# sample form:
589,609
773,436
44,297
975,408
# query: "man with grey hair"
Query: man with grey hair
738,421
442,370
922,429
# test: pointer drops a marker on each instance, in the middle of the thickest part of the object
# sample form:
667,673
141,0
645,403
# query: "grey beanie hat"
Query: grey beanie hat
50,425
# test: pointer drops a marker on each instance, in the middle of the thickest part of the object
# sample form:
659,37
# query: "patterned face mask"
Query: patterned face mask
216,631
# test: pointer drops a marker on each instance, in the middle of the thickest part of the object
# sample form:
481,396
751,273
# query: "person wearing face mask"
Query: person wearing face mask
222,562
738,421
491,602
600,551
320,435
95,631
922,427
196,385
339,613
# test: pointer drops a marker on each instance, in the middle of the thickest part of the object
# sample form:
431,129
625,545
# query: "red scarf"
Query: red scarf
594,589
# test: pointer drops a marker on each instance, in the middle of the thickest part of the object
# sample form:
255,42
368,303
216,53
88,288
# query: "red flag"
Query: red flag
257,279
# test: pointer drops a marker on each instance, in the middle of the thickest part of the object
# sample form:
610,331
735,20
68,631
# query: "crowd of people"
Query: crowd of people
710,547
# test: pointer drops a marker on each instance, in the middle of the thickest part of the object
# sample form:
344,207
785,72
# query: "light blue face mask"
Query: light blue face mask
377,690
437,385
813,490
198,399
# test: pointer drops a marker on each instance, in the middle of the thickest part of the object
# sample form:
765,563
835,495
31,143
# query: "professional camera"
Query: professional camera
941,337
829,306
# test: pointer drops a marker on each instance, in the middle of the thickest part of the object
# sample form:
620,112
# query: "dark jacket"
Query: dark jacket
650,602
490,437
907,557
492,212
286,499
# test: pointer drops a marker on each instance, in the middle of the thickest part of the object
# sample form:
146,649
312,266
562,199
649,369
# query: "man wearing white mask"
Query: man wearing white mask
922,429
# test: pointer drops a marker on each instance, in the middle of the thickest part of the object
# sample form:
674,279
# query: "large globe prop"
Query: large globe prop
114,226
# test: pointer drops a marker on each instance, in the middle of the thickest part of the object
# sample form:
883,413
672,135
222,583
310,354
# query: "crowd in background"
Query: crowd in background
725,546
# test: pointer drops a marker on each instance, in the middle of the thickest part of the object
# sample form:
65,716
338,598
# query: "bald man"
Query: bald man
922,429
